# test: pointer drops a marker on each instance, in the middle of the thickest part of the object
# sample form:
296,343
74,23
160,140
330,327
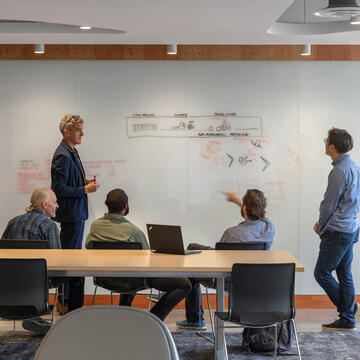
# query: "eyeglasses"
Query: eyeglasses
74,117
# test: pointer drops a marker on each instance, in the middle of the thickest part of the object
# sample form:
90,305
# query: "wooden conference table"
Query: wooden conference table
144,263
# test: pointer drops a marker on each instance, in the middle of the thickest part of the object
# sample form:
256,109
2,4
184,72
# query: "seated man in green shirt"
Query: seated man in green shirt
114,227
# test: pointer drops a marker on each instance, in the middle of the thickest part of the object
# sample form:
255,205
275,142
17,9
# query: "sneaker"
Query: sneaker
339,325
38,326
191,325
156,297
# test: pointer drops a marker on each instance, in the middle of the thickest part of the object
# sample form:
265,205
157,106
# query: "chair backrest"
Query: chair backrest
23,244
116,245
108,332
24,288
249,245
262,288
123,285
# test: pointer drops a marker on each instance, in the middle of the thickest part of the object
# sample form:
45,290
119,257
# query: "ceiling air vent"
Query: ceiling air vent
339,9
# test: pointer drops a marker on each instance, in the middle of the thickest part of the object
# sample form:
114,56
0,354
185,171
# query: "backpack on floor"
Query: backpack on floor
261,340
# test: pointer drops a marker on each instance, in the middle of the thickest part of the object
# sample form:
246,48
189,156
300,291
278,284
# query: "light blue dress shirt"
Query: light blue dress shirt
341,203
251,230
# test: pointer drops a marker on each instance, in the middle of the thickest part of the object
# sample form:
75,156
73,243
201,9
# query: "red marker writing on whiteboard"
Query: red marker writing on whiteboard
95,178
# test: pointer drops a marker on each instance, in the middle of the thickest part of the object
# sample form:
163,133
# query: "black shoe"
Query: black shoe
36,326
356,308
339,325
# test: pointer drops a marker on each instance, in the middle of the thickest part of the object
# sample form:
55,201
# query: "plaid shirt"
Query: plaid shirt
34,225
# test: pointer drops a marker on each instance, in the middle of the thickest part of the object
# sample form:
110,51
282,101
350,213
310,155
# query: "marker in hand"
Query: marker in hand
91,185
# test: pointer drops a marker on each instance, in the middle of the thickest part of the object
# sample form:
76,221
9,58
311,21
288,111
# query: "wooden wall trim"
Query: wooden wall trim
141,301
185,52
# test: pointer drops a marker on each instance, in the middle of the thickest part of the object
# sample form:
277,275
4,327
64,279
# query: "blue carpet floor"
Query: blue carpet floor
314,346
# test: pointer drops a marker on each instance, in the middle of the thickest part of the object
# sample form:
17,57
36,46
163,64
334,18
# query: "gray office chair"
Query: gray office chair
248,245
108,332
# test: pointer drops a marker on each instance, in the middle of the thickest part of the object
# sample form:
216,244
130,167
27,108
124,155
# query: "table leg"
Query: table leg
220,343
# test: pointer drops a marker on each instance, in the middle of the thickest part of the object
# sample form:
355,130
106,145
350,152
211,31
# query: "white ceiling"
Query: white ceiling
165,21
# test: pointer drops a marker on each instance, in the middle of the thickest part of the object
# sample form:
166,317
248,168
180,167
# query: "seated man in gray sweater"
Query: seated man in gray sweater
256,227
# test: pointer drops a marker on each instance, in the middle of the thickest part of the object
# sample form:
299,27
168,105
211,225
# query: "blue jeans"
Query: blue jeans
336,254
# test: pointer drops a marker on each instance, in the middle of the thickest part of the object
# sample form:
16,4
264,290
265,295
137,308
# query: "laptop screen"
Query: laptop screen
165,238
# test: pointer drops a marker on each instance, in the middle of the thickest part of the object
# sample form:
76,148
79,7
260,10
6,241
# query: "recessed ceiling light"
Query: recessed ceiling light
171,49
85,27
305,50
39,49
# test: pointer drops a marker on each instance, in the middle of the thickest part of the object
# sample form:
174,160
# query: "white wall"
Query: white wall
169,180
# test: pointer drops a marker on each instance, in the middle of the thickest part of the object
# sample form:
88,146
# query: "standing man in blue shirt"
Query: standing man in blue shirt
70,186
338,229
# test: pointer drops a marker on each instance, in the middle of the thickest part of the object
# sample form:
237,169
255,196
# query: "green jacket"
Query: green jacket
114,227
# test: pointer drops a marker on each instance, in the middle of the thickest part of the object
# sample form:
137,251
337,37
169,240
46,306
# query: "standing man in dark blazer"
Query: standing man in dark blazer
70,186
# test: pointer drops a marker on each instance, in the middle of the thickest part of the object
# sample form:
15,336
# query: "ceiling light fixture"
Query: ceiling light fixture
84,27
171,49
39,48
305,50
339,9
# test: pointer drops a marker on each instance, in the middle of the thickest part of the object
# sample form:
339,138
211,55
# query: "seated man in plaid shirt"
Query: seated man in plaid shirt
36,224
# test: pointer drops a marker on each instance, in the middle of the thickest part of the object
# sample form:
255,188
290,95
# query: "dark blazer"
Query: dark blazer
68,184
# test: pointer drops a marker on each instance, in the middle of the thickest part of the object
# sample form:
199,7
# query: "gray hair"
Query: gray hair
38,196
68,121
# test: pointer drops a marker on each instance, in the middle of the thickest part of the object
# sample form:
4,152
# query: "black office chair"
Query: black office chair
34,244
24,291
23,244
262,295
249,245
128,285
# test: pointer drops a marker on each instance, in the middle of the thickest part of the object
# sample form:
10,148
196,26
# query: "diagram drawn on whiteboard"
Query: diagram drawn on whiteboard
188,126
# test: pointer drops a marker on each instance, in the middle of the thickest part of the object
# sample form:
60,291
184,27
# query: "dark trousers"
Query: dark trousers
175,290
71,235
193,302
336,254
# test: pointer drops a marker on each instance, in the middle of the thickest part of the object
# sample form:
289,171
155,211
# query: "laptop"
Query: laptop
167,239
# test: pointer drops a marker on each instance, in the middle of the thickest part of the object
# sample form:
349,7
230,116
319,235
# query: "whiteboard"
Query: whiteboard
177,178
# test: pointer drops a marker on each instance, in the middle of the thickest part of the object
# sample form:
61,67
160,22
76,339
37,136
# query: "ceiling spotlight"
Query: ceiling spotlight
85,27
305,50
355,20
39,49
171,49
